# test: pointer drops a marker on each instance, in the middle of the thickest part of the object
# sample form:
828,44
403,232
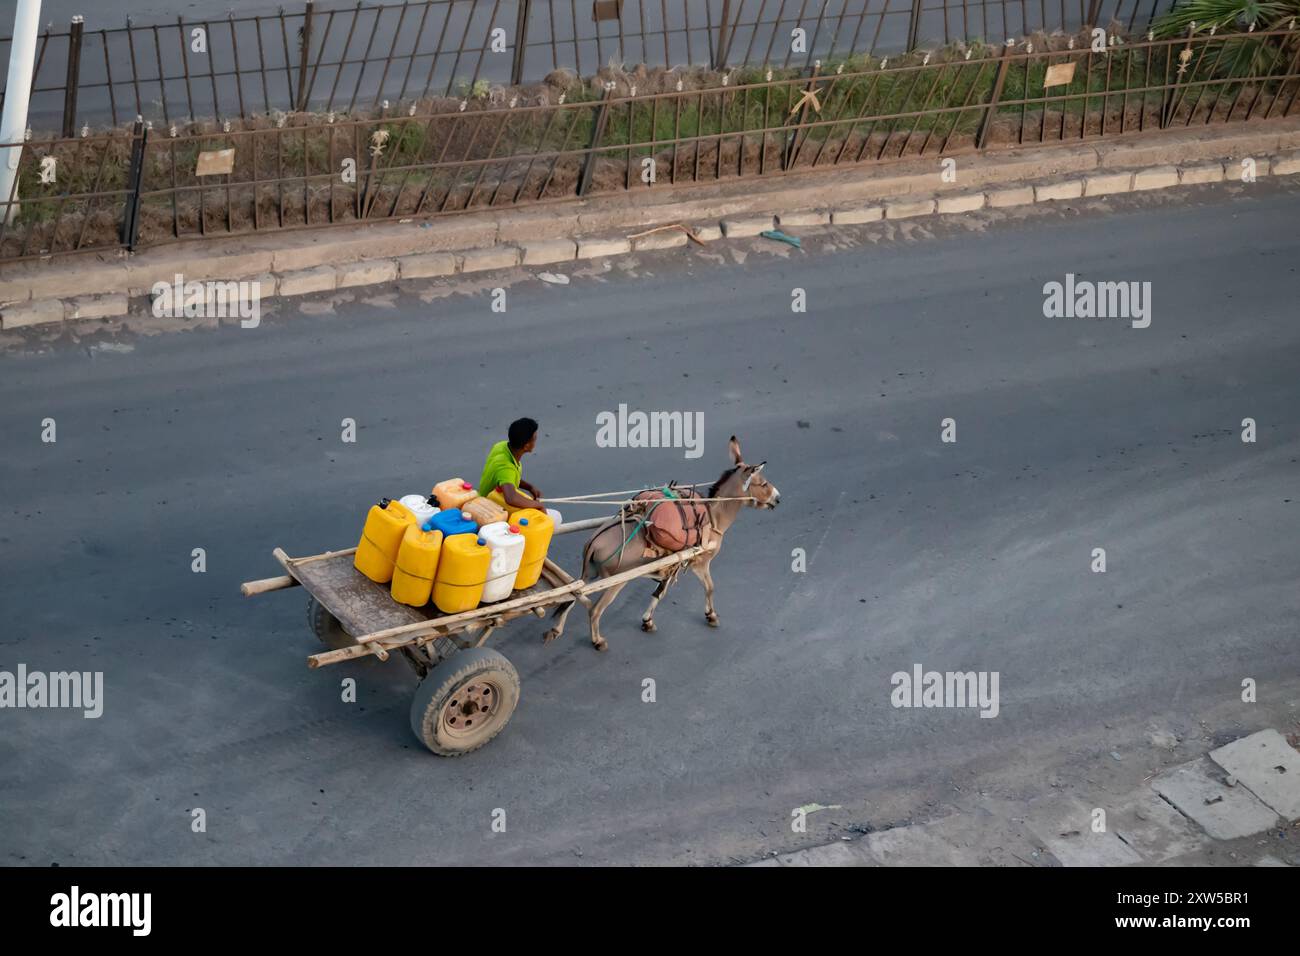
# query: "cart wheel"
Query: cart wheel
326,626
465,702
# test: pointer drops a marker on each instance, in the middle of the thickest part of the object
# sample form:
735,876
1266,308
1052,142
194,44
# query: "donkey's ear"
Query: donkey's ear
734,446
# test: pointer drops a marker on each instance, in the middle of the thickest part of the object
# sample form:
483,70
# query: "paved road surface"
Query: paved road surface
1072,434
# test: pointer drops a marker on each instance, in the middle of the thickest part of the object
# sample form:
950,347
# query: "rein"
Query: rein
669,495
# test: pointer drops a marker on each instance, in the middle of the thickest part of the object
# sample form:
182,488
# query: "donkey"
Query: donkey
606,554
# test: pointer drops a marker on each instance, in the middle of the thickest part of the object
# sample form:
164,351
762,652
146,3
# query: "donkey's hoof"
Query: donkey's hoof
601,645
550,635
711,620
648,626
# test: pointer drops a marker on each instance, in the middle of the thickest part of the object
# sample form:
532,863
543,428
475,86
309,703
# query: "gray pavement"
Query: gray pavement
1072,434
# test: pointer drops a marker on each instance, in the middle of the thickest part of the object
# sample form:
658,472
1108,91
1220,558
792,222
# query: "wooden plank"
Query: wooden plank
249,588
453,621
359,603
604,584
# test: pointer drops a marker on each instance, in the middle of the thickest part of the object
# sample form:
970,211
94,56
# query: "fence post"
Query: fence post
724,39
1094,11
73,78
597,133
987,123
131,213
913,25
303,57
521,35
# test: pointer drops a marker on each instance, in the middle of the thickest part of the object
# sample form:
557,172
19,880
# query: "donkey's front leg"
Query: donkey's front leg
648,618
706,578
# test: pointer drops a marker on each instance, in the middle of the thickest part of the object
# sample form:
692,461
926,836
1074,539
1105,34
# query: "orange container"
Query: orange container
453,493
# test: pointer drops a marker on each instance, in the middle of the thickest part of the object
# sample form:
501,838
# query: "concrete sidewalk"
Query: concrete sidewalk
1214,809
301,262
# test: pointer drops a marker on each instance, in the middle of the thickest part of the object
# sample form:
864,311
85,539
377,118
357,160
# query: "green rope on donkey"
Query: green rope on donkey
668,493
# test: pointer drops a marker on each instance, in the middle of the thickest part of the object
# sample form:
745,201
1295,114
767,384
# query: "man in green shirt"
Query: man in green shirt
503,471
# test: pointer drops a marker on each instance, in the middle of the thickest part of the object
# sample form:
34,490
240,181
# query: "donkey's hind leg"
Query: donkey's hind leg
561,615
648,618
597,609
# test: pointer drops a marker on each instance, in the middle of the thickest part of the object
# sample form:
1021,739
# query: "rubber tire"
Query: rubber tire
326,626
453,673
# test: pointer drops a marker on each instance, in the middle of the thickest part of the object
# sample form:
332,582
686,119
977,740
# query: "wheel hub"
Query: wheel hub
471,708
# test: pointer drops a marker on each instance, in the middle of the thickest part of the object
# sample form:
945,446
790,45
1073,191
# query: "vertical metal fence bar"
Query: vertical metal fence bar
212,73
986,125
185,66
724,24
913,24
304,51
415,49
239,79
487,33
365,58
521,36
261,60
162,81
392,49
131,210
597,133
73,78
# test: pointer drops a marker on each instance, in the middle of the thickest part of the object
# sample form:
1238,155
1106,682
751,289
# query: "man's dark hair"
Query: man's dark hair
521,429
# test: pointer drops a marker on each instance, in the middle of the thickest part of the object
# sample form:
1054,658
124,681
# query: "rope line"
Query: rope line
589,499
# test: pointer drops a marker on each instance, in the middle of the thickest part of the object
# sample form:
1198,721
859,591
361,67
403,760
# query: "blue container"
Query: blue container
450,522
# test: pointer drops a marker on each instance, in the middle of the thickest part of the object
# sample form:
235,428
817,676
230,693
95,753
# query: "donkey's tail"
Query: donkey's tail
582,571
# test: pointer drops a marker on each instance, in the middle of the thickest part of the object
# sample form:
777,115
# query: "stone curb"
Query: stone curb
327,260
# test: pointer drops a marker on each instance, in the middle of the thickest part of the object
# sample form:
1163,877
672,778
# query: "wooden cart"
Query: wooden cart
467,692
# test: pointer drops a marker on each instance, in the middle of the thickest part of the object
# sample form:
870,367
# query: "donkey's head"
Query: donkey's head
749,480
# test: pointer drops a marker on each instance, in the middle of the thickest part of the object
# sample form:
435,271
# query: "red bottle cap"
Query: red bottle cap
465,486
514,528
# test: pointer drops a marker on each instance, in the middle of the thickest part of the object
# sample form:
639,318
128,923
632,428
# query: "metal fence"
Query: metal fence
146,187
349,58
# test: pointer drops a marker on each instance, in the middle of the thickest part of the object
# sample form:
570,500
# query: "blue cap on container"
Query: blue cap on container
481,541
523,521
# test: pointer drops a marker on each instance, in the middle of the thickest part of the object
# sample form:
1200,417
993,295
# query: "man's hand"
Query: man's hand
530,488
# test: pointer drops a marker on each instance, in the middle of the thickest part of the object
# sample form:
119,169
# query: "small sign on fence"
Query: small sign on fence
1059,74
215,162
607,10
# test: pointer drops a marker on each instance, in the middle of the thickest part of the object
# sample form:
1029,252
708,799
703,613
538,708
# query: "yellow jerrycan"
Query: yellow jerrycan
537,528
462,572
417,560
381,538
453,493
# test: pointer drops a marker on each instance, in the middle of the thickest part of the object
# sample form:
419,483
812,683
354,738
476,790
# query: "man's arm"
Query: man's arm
516,500
531,489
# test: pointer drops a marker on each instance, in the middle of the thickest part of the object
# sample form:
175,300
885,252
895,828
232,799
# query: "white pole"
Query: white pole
18,91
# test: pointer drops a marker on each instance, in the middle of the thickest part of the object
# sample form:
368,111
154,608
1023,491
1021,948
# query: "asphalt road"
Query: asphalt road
1072,434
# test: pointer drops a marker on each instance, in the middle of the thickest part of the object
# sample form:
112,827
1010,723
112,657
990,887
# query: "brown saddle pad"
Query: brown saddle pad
675,525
